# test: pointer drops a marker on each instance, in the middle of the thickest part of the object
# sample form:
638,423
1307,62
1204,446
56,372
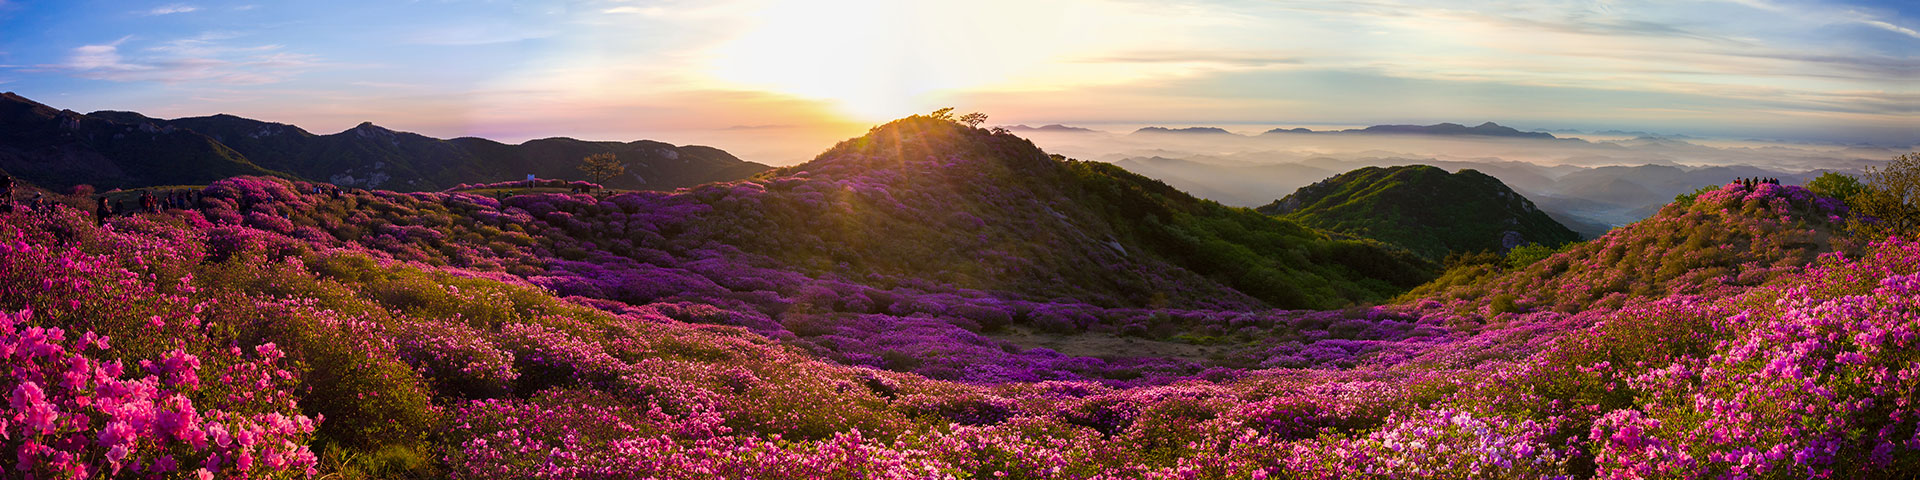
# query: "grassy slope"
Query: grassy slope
1423,208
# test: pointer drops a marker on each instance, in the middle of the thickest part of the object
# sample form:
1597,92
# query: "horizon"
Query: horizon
796,78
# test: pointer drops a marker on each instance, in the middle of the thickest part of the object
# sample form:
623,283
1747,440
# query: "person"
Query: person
101,212
6,187
146,201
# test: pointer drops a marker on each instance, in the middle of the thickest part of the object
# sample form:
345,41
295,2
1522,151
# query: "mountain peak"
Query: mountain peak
1423,208
369,130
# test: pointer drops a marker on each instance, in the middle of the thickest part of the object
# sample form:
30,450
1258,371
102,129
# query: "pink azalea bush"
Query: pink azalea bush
74,413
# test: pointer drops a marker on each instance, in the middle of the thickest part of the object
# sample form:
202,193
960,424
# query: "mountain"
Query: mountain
1182,131
60,148
369,155
1053,128
916,178
118,149
1488,129
1423,208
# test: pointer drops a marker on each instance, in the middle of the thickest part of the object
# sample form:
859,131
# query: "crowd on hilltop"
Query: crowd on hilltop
148,202
1751,182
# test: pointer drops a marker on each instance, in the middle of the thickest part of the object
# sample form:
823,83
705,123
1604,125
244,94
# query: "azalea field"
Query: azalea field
860,316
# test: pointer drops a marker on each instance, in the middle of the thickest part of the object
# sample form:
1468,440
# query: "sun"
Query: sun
848,54
877,60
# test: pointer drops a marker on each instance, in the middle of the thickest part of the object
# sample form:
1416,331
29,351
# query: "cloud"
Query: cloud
1889,27
195,59
171,9
1237,59
654,11
475,34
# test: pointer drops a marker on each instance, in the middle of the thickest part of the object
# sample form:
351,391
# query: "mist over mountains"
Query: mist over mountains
1588,185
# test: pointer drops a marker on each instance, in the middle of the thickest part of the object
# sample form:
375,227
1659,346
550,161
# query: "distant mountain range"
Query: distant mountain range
1488,129
1058,128
1183,131
116,149
1424,209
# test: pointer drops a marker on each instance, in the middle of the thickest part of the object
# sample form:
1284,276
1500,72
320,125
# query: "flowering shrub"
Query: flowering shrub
71,413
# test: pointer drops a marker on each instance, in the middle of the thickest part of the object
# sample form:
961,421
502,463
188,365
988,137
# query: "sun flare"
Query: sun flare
876,60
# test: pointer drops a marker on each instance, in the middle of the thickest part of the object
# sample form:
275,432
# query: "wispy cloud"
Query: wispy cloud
171,9
194,59
1889,27
651,11
476,34
1237,59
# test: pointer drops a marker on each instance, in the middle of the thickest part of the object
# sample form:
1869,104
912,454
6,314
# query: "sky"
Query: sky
778,81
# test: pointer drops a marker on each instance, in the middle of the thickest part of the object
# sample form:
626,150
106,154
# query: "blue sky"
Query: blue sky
814,72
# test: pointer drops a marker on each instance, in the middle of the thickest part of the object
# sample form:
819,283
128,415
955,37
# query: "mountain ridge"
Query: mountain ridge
366,155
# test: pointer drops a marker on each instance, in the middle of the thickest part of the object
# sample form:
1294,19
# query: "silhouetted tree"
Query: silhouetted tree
602,166
973,119
942,114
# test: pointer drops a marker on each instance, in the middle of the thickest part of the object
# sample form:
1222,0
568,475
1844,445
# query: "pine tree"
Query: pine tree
602,166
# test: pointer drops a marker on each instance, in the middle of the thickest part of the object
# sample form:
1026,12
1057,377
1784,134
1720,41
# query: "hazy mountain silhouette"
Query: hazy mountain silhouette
1183,131
366,155
1488,129
1055,128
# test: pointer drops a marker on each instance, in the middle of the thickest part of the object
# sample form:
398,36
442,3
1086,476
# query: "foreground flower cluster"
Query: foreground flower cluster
73,413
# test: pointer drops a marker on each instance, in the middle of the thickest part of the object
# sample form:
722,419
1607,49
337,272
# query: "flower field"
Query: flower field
848,318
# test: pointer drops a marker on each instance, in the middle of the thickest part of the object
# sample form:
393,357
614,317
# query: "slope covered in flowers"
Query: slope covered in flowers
450,334
1716,242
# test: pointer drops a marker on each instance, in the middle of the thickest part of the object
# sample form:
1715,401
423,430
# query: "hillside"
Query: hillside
59,148
102,149
1016,202
1713,244
1423,208
719,332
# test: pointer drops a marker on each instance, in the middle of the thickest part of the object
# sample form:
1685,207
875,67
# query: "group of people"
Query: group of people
327,190
38,202
1754,182
148,203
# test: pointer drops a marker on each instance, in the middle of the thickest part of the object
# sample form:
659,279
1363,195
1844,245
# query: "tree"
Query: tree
973,119
1890,203
1837,186
942,114
602,166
